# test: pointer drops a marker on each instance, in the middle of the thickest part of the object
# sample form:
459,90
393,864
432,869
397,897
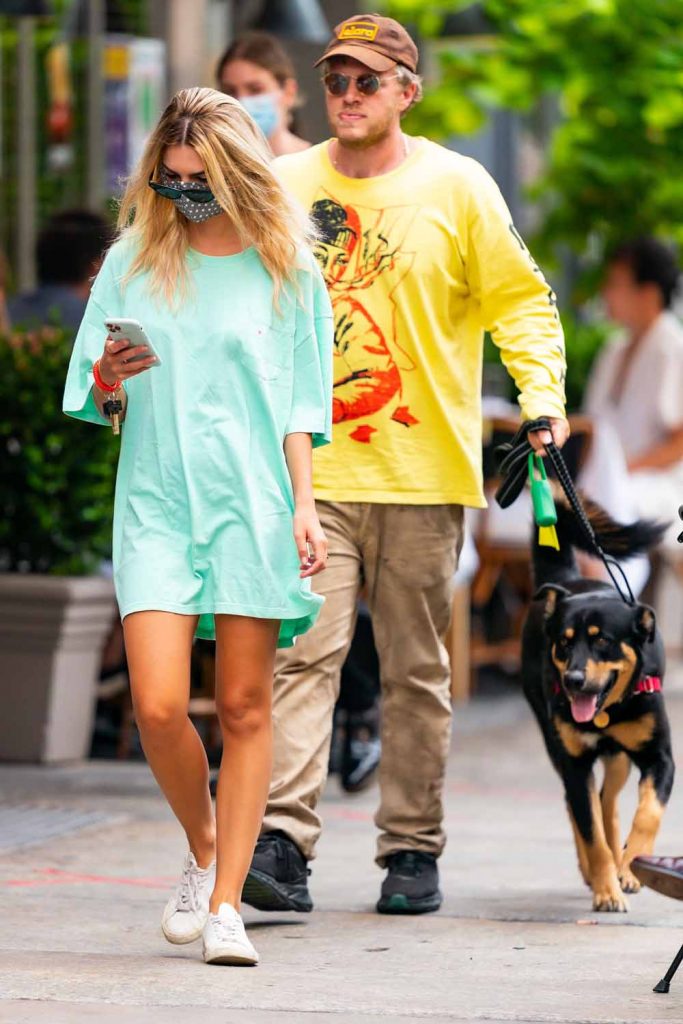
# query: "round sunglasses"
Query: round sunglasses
196,193
367,84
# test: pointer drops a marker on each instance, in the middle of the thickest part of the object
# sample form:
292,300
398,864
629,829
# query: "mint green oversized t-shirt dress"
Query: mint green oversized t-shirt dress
203,506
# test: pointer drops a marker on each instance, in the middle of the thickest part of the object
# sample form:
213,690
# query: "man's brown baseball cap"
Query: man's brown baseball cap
378,42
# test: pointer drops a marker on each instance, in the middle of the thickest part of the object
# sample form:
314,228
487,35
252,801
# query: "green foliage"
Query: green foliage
614,71
608,75
56,473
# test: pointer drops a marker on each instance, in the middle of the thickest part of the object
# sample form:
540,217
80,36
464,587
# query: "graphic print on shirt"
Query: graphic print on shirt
360,248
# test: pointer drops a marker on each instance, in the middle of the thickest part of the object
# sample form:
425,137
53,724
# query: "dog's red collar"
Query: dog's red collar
648,684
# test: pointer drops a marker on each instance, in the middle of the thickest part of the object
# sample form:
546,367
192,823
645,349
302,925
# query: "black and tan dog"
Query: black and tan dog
592,671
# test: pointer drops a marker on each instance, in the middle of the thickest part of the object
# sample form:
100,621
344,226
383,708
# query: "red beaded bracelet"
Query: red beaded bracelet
100,383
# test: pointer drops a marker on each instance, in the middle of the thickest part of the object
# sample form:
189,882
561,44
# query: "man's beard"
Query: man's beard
375,136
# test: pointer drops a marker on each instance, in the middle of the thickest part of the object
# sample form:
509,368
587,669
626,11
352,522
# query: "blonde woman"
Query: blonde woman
215,528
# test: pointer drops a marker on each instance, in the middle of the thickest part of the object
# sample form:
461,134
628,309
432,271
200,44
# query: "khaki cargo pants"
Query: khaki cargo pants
405,556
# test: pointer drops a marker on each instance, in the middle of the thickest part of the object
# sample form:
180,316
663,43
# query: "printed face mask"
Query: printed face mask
194,211
264,110
197,212
198,205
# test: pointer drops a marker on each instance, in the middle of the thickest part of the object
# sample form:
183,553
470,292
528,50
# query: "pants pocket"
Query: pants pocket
422,542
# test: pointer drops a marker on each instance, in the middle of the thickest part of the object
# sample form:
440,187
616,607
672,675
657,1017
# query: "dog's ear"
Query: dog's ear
552,594
645,622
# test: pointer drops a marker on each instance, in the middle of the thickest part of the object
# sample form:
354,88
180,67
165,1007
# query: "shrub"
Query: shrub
56,473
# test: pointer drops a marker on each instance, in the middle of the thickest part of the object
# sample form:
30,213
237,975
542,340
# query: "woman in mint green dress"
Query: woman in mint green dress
215,528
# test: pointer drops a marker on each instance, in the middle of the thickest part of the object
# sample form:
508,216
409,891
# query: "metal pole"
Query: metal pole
95,114
26,156
186,43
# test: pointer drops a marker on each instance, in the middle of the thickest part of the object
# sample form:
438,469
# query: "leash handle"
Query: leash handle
512,459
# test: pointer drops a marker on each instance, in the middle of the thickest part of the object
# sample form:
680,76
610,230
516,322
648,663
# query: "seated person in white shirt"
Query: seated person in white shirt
637,380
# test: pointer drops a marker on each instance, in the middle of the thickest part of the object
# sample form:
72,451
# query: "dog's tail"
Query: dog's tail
620,540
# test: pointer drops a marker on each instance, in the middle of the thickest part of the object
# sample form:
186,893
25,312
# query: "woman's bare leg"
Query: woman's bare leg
245,656
158,648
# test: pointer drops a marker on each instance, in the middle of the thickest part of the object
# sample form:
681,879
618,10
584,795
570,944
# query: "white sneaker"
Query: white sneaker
186,912
225,940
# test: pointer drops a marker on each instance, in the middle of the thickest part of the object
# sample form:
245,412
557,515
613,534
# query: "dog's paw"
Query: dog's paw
610,900
628,881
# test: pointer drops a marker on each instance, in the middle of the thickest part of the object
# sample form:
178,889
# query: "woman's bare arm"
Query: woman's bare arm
307,528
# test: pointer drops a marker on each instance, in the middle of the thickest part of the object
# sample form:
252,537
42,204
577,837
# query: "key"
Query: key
112,407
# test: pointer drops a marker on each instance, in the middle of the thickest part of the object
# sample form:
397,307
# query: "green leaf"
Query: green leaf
614,70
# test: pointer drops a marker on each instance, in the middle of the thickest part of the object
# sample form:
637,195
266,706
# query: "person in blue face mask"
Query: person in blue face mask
257,71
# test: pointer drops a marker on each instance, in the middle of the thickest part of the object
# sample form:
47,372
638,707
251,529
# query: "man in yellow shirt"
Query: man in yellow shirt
420,257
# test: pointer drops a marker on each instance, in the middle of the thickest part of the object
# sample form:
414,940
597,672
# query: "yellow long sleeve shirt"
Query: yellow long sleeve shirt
418,263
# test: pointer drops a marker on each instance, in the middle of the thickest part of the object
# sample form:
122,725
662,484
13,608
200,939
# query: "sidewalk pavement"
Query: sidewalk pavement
516,939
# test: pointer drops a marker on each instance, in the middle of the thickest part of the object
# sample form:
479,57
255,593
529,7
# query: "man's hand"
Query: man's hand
560,432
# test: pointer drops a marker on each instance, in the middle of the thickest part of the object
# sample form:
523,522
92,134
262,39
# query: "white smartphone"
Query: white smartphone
126,327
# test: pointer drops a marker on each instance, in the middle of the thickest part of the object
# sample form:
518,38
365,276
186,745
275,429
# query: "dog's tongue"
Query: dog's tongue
583,707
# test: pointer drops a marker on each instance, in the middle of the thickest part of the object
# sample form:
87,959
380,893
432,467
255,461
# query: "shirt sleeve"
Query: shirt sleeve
105,301
311,409
517,306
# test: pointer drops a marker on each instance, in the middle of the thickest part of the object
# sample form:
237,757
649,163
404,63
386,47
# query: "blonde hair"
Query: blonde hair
405,78
236,160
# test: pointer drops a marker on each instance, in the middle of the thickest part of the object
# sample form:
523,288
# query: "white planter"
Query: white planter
52,629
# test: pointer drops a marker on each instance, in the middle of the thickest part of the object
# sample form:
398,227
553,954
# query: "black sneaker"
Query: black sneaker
277,878
411,885
361,751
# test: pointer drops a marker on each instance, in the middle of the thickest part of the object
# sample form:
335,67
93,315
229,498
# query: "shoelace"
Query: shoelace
225,930
187,895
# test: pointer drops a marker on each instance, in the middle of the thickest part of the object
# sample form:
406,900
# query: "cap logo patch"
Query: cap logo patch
359,30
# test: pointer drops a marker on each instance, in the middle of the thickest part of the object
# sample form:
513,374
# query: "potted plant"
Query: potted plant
56,607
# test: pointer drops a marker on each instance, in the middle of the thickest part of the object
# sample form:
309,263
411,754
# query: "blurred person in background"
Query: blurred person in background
69,252
420,255
356,747
636,383
258,72
215,528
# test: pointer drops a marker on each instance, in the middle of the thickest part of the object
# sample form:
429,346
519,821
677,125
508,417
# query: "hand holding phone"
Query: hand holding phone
132,331
127,350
